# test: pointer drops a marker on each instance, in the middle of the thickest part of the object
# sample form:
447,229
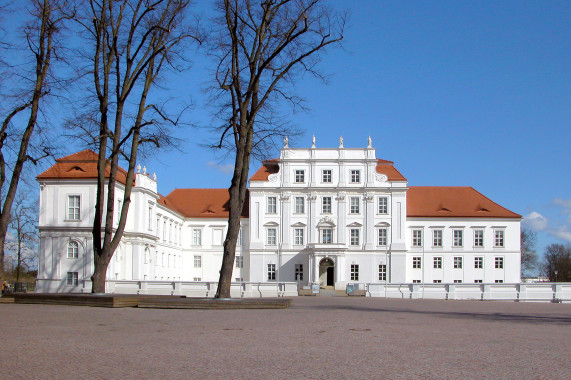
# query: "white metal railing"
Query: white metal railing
202,288
546,291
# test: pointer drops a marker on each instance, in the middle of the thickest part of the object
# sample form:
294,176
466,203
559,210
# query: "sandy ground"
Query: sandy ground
316,338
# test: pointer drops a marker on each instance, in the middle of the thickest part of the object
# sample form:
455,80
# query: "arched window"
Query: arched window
72,250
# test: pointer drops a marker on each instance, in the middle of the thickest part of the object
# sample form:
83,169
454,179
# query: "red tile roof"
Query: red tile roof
445,202
383,167
201,203
81,165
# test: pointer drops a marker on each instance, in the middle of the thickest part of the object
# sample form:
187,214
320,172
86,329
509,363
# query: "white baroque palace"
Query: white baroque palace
314,216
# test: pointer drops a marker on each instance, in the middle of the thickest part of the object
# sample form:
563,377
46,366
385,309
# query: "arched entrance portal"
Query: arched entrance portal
326,272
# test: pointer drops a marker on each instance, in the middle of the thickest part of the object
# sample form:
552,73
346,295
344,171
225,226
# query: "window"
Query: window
417,238
382,272
196,237
458,235
239,279
383,205
327,236
437,238
437,281
499,281
299,205
298,272
416,281
354,236
271,238
298,236
326,205
458,262
354,272
355,176
198,279
72,278
478,238
416,262
73,203
72,250
354,205
499,238
300,176
457,281
197,261
438,263
271,272
239,261
271,206
382,237
478,262
150,219
499,263
477,281
326,176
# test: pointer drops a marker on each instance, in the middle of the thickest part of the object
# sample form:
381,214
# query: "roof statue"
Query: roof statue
370,141
340,141
286,142
313,142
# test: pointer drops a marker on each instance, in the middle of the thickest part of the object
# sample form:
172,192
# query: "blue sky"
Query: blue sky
456,93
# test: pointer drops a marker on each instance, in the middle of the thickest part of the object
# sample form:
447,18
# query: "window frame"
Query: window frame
383,205
381,238
239,261
437,262
75,252
197,260
416,238
354,237
383,272
437,240
478,262
299,176
197,236
354,206
326,205
458,262
457,240
354,272
323,235
416,262
298,274
499,262
479,238
298,239
271,272
73,209
72,279
269,236
355,175
326,176
299,205
500,238
272,205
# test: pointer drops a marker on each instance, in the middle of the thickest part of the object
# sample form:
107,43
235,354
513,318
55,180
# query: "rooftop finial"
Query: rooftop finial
139,168
340,141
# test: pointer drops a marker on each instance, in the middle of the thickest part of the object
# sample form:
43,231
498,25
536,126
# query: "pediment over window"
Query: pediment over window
271,224
298,224
326,222
355,224
383,224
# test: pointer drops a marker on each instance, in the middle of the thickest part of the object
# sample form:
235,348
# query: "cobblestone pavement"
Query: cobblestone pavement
316,338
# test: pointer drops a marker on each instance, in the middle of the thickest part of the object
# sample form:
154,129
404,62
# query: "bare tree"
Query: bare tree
39,35
528,254
557,262
262,49
133,41
23,242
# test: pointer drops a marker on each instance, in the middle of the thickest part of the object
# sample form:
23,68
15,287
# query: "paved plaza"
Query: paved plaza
316,338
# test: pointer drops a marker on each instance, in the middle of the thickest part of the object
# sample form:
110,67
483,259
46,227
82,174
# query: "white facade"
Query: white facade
326,216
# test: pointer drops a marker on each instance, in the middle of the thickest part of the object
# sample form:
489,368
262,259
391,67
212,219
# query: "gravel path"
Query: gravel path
316,338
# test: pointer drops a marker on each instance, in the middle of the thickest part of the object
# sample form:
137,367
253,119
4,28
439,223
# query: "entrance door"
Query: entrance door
331,276
326,272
